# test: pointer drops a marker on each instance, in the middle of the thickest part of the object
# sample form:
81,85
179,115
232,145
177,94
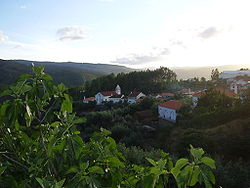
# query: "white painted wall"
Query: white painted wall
131,100
100,98
167,113
195,100
115,100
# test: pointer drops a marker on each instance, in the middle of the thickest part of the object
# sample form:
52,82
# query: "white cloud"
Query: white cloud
142,58
209,32
23,6
18,46
71,33
3,37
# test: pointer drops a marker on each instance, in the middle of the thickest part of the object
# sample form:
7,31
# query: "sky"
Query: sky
133,33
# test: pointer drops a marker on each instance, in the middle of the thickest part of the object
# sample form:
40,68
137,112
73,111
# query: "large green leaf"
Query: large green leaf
96,170
66,104
196,152
40,181
209,162
195,176
178,166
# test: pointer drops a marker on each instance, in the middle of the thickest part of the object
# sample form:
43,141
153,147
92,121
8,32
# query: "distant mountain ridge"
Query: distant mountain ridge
75,74
191,72
90,67
70,73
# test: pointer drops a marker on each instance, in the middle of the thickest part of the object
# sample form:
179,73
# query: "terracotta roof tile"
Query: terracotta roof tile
89,99
108,93
172,104
168,94
227,92
199,93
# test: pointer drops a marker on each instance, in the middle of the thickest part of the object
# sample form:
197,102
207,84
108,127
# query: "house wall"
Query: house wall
140,95
115,100
234,88
195,100
167,113
131,100
100,98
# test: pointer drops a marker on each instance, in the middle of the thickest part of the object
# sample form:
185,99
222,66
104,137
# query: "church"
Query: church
109,96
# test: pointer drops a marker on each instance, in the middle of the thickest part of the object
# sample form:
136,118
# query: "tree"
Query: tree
215,75
203,79
149,81
214,100
244,69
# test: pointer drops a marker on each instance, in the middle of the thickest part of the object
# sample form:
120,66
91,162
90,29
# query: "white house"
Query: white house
238,85
116,98
168,110
196,96
104,96
133,97
156,96
167,95
186,92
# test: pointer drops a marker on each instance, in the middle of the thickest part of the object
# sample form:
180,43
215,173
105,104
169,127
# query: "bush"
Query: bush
119,132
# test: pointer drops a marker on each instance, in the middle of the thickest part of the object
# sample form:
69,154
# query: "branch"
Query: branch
13,160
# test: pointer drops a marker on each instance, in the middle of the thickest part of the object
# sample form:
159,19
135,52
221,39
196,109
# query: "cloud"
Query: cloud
71,34
3,37
132,59
209,32
23,6
18,46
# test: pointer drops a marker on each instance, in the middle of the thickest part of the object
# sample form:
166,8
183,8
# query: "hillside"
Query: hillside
69,73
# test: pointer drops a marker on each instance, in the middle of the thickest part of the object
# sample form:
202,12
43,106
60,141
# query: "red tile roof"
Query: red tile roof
108,93
168,94
227,92
199,94
172,104
89,99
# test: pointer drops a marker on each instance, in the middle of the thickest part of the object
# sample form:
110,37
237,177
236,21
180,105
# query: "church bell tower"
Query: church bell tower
118,90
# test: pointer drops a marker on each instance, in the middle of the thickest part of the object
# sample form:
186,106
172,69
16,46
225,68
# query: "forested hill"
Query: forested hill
69,73
149,81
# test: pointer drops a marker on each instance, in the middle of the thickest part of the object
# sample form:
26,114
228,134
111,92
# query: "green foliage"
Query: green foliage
40,146
233,173
146,81
199,170
215,75
214,100
71,74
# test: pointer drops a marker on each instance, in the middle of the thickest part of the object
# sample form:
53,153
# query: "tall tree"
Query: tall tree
215,75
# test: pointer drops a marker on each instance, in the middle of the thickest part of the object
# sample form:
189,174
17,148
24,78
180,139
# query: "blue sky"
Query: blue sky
135,33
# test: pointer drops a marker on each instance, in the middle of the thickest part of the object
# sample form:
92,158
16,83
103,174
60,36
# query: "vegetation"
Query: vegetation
40,146
146,81
71,74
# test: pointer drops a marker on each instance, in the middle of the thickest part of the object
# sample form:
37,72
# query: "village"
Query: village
236,83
